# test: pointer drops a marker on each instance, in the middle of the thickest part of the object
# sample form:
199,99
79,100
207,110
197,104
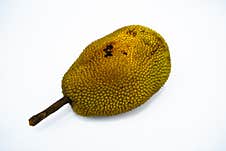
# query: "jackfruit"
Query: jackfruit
114,74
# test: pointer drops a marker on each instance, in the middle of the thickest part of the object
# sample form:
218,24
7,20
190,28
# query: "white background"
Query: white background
40,39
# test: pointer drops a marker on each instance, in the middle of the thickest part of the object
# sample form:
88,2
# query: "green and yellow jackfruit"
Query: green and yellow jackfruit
115,74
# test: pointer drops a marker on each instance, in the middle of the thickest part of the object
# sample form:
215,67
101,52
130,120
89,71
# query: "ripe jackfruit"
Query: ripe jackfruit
115,74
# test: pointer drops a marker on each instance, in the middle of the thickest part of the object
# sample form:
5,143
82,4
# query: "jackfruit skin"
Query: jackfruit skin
118,72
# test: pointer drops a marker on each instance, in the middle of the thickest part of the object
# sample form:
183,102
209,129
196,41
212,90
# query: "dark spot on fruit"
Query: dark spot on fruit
108,55
131,32
124,52
108,50
109,47
143,31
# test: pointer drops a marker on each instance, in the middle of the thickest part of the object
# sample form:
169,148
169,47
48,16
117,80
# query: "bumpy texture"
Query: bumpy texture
118,72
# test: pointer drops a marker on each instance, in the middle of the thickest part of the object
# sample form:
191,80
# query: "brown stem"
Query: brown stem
51,109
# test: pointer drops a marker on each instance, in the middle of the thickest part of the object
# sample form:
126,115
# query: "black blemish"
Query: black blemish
143,31
109,47
108,54
131,32
125,53
108,50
